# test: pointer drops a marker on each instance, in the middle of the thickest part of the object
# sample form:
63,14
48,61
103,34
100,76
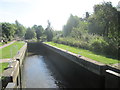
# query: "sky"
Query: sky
31,12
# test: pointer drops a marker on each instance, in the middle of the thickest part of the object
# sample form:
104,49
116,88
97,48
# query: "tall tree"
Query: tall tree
20,32
87,15
72,22
48,32
0,31
7,31
30,34
39,30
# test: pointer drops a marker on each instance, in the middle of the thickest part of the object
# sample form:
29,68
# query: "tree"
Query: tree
107,15
95,26
30,34
48,32
39,30
7,31
72,22
87,15
0,31
105,22
20,32
80,30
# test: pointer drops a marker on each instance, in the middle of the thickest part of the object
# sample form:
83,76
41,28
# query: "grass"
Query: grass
3,66
11,50
85,53
1,44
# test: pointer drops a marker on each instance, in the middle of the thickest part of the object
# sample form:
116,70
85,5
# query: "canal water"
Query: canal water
39,72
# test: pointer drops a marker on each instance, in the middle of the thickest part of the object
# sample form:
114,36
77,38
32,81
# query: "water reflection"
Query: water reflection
36,73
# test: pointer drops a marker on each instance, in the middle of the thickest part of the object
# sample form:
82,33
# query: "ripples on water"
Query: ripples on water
36,73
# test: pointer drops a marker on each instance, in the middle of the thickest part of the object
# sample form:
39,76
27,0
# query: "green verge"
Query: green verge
1,44
85,53
3,66
11,50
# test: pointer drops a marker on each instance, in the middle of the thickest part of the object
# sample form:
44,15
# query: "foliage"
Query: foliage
7,31
30,34
49,32
20,32
0,31
104,20
38,30
98,32
98,44
72,22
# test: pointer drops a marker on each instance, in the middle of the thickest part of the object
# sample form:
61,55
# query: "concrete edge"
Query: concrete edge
94,66
113,73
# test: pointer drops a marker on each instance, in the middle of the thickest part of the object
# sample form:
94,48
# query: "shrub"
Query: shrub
112,49
98,45
94,43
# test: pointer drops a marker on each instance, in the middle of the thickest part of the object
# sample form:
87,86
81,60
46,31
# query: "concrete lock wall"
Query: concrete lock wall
79,74
12,76
78,71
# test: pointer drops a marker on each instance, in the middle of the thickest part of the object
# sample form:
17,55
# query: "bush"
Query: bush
71,42
112,49
94,43
98,45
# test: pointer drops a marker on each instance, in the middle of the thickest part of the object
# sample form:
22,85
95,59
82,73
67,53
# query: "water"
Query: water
38,72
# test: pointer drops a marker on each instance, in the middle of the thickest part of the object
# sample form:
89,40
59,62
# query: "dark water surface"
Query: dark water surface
39,72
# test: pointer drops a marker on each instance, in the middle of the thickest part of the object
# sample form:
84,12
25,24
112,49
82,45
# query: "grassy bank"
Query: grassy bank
3,66
85,53
1,44
11,50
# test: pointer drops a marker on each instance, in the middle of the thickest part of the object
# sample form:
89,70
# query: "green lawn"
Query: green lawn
85,53
11,50
1,44
3,66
